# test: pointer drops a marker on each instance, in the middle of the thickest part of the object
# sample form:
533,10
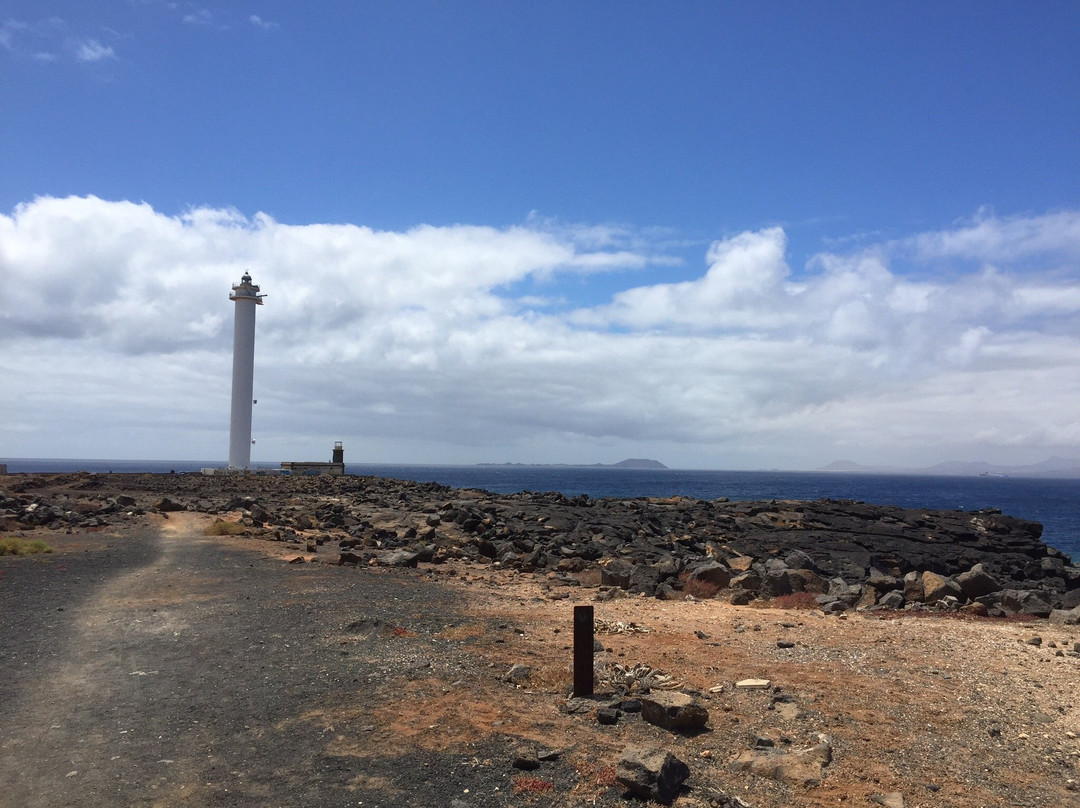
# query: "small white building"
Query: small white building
335,468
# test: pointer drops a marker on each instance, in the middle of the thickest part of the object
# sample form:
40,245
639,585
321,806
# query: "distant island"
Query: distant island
1058,467
631,463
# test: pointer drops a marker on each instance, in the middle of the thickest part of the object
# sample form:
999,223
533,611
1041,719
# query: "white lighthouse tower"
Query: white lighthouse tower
247,297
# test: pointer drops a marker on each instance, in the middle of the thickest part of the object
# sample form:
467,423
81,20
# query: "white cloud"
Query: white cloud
47,40
90,50
8,30
199,16
259,22
991,238
433,344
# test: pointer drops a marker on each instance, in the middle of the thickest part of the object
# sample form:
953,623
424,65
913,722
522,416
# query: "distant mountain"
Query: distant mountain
1053,467
631,463
637,463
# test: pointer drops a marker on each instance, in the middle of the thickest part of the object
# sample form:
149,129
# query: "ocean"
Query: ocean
1055,503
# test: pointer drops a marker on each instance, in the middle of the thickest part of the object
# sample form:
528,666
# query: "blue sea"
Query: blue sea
1055,503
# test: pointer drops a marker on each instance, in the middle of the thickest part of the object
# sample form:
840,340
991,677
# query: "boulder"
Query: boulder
673,711
799,560
806,580
848,593
869,598
710,572
882,582
1063,617
892,600
644,579
616,573
1020,601
749,581
1071,599
651,774
913,588
977,582
775,583
936,587
740,563
398,558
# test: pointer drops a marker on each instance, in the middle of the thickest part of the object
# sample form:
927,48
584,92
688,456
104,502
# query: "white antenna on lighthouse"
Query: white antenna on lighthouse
247,297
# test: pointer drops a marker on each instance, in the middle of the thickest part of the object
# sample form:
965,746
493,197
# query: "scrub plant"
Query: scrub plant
21,547
220,527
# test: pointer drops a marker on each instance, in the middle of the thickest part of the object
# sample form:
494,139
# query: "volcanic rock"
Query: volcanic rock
674,711
651,774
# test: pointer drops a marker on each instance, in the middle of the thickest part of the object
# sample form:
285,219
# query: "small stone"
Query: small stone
753,684
803,767
673,711
518,674
526,759
893,799
608,716
1036,641
784,644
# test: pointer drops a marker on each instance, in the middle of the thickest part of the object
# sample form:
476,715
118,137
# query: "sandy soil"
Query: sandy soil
946,711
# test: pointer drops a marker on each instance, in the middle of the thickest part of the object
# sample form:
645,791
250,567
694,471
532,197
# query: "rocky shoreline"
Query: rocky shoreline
841,554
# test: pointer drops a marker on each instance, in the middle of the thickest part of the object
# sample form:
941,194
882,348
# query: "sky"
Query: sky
730,235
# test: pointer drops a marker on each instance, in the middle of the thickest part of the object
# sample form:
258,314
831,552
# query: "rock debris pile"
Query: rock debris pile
842,554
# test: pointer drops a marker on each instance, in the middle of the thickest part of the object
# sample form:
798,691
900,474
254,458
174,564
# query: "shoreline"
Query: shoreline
842,554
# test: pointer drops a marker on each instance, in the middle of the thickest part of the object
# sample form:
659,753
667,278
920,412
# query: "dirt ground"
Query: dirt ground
366,686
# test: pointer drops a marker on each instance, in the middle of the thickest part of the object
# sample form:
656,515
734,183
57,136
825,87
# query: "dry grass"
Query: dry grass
21,547
796,600
524,784
221,527
701,590
590,577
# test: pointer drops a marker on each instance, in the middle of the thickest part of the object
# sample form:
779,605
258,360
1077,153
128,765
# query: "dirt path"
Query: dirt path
167,668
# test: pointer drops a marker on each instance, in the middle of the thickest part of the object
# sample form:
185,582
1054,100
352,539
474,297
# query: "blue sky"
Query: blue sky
871,209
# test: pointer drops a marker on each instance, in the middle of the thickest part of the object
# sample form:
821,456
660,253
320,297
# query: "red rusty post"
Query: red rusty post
583,651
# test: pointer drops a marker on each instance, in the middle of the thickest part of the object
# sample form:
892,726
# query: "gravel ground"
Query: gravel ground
158,666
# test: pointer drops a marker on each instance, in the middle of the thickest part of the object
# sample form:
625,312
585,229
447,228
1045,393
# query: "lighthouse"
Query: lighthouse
246,296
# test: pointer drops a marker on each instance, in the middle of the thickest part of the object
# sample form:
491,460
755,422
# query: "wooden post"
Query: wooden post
583,651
